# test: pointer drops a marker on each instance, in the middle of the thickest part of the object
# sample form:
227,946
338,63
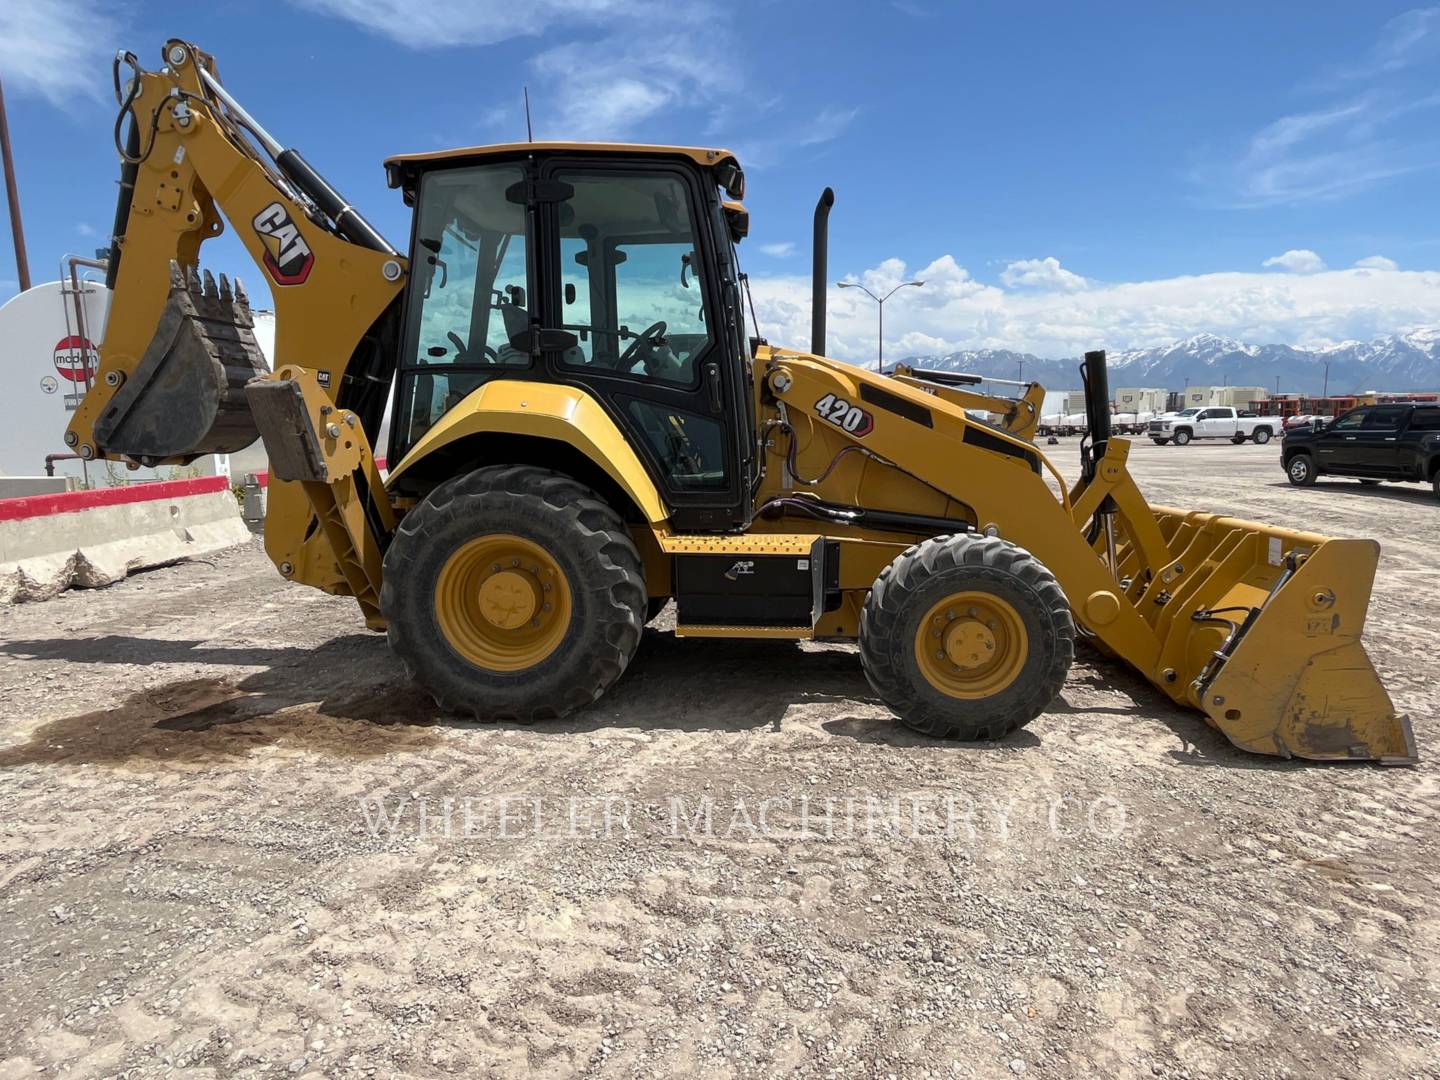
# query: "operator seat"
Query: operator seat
517,320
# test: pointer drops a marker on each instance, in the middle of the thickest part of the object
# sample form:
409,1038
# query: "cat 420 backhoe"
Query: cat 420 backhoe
582,429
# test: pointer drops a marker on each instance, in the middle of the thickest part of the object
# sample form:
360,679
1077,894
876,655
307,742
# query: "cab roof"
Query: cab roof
400,163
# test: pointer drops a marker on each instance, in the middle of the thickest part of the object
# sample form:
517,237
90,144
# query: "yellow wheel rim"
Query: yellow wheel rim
502,602
971,645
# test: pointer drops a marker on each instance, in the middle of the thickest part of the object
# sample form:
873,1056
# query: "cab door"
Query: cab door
467,292
1377,444
1337,448
632,281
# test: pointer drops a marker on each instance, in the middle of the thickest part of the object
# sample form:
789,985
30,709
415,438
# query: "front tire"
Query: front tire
966,637
1182,438
1261,436
1300,470
1160,442
513,593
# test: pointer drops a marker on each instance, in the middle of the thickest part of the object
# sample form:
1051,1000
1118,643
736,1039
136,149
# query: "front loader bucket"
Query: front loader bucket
1273,654
186,396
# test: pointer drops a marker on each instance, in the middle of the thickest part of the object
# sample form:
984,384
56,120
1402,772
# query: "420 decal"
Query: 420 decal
847,417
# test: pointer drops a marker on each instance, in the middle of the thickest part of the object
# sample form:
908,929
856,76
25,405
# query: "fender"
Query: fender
564,414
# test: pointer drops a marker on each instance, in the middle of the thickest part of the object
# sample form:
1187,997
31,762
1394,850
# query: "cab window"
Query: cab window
1351,421
1425,420
632,293
1384,419
468,292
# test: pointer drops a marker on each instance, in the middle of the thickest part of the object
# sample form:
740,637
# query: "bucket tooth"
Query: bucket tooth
210,288
241,297
192,280
225,293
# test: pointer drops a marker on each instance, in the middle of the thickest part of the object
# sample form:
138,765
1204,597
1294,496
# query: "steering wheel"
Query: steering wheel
462,351
648,338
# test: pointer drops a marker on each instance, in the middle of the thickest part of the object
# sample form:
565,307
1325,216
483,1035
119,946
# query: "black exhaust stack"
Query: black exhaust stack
820,271
1096,380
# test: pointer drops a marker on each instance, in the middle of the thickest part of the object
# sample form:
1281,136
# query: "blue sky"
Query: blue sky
1063,175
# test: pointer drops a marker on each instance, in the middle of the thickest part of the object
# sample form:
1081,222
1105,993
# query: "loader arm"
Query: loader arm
178,352
1257,627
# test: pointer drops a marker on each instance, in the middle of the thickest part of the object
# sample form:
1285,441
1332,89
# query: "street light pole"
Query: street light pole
880,305
12,194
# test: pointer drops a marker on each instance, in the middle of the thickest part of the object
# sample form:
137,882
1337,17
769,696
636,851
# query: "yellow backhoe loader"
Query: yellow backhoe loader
583,427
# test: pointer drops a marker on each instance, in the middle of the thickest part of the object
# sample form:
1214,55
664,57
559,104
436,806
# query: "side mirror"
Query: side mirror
569,292
737,218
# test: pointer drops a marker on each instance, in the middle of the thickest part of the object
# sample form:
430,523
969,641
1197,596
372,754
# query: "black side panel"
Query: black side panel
750,590
883,399
976,435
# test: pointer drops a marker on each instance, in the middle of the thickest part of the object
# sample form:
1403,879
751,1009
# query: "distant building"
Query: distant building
1238,397
1138,399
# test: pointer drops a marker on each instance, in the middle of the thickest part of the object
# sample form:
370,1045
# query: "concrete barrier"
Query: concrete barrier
22,487
49,543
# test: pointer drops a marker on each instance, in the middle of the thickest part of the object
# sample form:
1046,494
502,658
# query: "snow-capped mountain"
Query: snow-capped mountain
1409,361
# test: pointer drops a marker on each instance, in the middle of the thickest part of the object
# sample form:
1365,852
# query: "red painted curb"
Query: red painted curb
69,502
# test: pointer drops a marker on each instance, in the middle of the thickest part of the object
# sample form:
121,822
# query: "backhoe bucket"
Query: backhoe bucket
186,396
1273,654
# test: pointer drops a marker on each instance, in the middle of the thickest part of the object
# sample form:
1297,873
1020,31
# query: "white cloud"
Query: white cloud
782,250
1334,148
1046,273
47,43
1377,262
1296,261
442,23
953,311
604,68
84,228
1404,40
829,125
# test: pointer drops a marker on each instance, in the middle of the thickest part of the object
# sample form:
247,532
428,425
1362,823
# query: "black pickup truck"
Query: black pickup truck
1371,443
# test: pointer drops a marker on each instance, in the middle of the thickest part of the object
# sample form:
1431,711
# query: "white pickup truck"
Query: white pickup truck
1212,422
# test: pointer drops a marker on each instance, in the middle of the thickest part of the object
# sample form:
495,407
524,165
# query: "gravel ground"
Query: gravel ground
234,842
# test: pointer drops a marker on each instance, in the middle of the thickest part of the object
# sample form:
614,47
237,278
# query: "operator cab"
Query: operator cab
609,268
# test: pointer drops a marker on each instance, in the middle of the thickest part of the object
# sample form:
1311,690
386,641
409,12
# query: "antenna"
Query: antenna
529,131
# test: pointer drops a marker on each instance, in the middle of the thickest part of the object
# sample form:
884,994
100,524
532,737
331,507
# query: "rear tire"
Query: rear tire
1300,470
513,593
1435,484
1370,483
1261,436
1182,438
1237,439
1160,442
996,616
